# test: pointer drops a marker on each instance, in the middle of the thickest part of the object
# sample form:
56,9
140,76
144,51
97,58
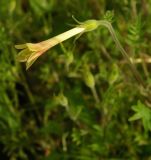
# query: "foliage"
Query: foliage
142,112
80,100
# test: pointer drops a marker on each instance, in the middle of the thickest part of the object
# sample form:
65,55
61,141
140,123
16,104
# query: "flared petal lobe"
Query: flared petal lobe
24,55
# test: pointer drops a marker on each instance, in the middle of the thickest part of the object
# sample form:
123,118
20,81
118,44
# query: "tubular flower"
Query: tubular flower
31,51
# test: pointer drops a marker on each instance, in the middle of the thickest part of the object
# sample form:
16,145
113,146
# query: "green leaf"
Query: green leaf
143,113
109,16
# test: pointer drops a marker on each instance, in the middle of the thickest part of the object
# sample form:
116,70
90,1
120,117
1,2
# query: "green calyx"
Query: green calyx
90,25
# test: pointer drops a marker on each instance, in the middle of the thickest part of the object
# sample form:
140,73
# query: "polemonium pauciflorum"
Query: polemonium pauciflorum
31,51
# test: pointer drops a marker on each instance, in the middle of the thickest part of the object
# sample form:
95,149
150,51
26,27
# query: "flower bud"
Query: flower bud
69,58
114,75
61,100
88,78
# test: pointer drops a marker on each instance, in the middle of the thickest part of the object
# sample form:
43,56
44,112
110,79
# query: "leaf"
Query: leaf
109,16
40,7
143,113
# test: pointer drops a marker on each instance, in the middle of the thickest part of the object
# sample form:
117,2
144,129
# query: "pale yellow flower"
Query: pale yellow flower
31,51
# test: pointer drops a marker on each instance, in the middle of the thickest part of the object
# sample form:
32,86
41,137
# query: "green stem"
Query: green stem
95,95
121,49
26,87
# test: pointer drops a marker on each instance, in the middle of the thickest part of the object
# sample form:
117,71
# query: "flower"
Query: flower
31,51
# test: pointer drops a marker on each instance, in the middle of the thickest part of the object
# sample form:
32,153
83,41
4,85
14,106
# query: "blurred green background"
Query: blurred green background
50,112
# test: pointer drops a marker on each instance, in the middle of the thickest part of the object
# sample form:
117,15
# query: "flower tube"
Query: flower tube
31,51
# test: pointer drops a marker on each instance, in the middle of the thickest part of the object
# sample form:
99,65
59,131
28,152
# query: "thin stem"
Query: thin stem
96,97
26,87
121,49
